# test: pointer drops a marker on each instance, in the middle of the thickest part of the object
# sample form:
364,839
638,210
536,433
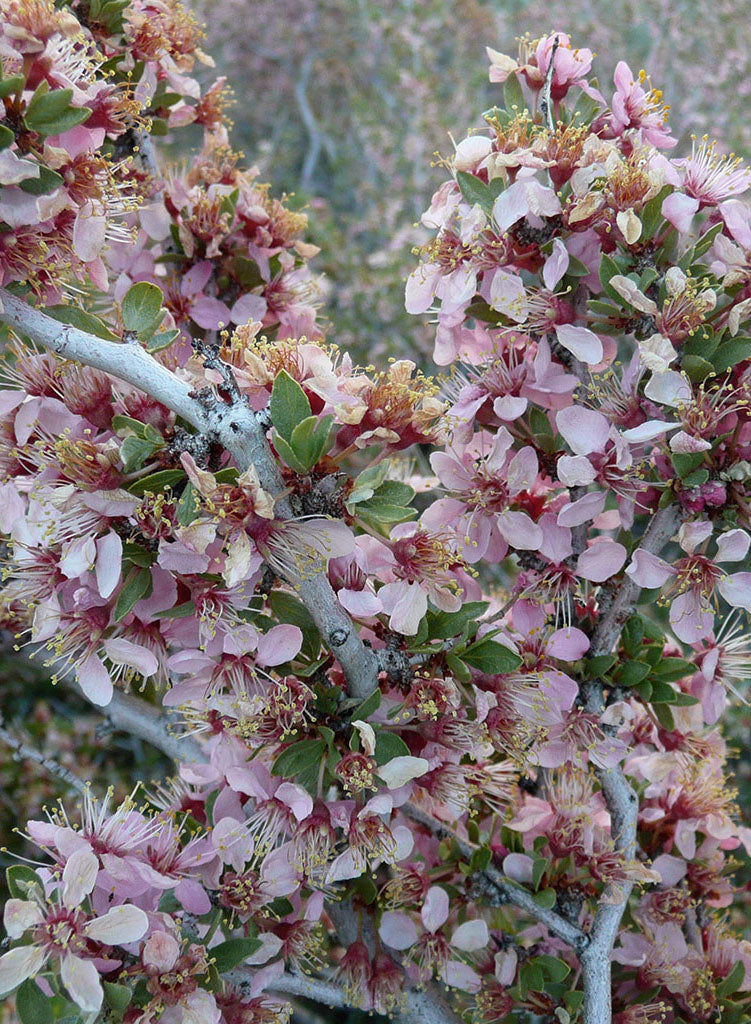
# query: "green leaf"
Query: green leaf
732,981
609,268
32,1005
697,478
730,353
368,707
156,482
134,451
651,215
545,899
684,465
554,968
599,665
632,673
310,439
20,880
11,85
389,745
491,658
444,625
670,670
297,757
457,668
141,307
161,341
233,952
187,506
77,317
138,555
477,192
539,867
705,242
289,405
286,453
7,138
513,95
50,112
117,996
697,368
138,585
47,181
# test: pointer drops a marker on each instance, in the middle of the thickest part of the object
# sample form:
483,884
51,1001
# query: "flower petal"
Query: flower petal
118,926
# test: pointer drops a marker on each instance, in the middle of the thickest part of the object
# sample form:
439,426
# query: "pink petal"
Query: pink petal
210,313
196,279
568,644
249,308
397,930
109,554
732,546
94,680
647,570
580,342
584,430
583,510
601,560
736,590
81,979
691,621
556,265
118,926
18,965
679,209
280,644
435,909
471,936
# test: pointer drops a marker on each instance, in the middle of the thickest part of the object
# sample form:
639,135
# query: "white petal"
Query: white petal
81,978
401,770
118,926
471,935
20,915
18,965
79,876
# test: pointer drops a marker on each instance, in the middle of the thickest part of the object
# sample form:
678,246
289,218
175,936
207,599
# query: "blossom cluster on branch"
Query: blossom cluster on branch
443,661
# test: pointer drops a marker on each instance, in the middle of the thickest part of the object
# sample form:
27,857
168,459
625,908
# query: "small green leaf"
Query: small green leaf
697,368
684,465
156,482
632,673
80,318
730,353
491,658
444,625
141,306
389,745
513,95
286,453
138,555
670,670
51,113
732,981
161,341
478,192
138,585
21,880
554,968
117,996
32,1005
134,452
297,757
545,898
600,665
233,952
289,404
11,85
187,506
368,707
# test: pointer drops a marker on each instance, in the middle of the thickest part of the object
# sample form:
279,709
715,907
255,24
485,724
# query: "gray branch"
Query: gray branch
23,751
236,427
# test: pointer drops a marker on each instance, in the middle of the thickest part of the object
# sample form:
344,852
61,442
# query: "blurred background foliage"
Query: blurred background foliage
346,104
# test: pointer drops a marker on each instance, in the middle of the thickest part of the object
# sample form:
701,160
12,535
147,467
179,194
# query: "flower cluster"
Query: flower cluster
417,637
